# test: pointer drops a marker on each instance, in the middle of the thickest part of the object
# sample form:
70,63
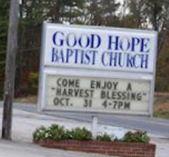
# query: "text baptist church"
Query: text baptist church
88,49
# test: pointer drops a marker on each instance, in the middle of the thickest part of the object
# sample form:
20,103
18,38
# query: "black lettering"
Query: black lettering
87,103
129,87
139,96
70,92
120,104
61,101
115,105
58,91
104,104
133,96
127,105
56,101
103,94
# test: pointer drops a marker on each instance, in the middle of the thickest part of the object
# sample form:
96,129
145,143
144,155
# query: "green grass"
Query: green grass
162,114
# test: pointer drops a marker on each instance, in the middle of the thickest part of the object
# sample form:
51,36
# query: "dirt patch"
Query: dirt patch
162,107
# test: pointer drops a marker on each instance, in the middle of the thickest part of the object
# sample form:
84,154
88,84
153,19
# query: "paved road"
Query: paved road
151,125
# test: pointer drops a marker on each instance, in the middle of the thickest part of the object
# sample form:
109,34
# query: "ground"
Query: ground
25,123
23,149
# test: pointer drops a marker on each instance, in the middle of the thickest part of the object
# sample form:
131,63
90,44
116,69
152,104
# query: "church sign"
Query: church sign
97,69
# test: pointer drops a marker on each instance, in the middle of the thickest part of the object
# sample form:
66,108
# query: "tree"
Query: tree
103,12
136,14
32,15
12,45
151,14
66,11
4,5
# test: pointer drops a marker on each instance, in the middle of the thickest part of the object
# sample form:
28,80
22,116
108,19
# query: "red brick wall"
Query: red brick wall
121,149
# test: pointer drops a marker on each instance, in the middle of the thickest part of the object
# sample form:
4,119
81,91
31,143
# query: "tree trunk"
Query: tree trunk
10,69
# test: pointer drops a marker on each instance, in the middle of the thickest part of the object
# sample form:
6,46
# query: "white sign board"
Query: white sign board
93,94
94,48
97,69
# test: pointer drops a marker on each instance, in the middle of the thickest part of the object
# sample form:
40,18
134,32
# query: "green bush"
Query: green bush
104,137
39,134
80,134
162,114
56,132
138,136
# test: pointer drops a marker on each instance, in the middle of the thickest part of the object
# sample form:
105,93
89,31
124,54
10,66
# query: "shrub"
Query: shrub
138,136
39,134
80,134
104,137
56,132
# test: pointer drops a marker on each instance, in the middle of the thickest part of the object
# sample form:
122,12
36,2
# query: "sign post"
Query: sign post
94,126
97,69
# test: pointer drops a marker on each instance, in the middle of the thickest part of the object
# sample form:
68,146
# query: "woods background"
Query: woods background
142,14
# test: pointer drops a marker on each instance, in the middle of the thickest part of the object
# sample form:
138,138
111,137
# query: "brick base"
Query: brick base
121,149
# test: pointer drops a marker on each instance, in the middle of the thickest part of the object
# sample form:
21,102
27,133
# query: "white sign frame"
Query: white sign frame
46,69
